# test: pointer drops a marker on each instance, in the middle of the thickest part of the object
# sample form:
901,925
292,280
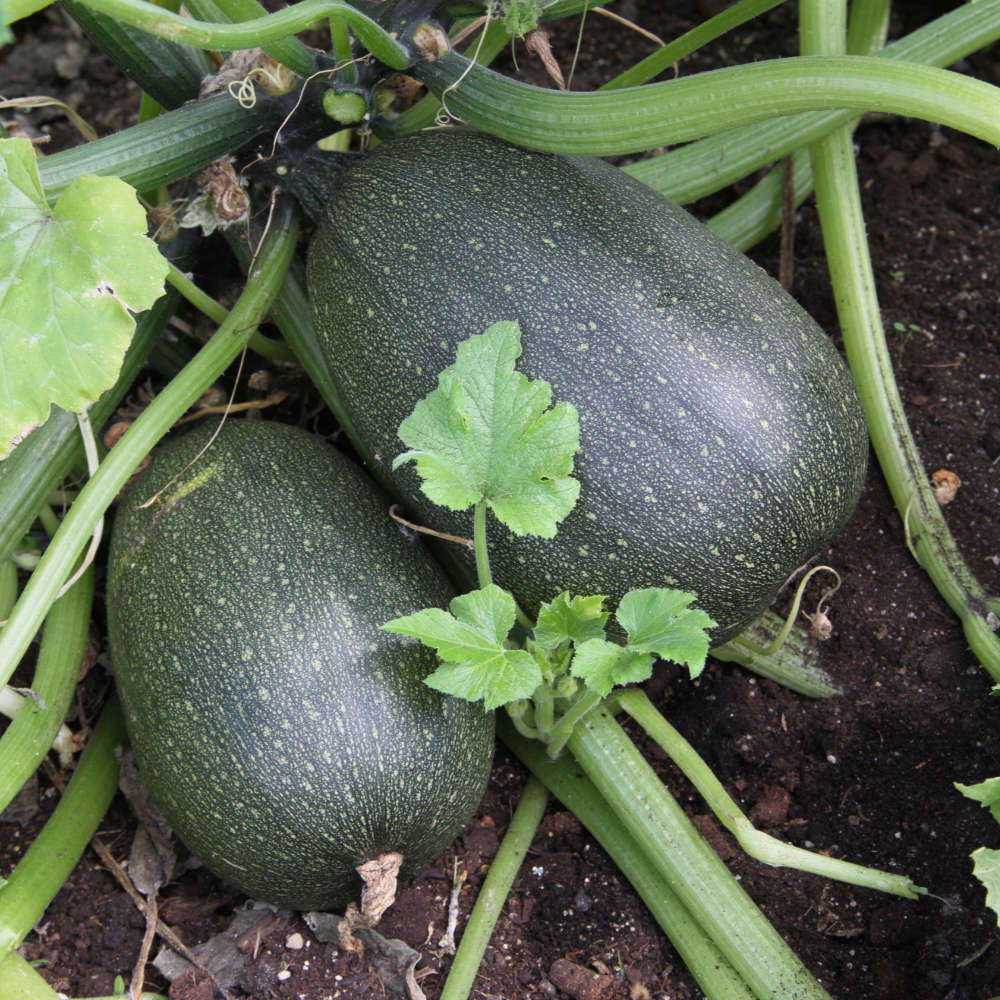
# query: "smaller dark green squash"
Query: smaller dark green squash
286,738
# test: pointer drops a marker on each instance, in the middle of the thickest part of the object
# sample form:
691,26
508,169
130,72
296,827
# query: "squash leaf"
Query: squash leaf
476,665
570,619
660,621
603,665
70,277
487,433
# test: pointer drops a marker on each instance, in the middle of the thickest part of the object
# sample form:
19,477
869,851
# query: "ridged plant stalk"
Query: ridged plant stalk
165,148
690,868
288,51
838,200
656,114
757,844
54,853
759,211
258,31
576,791
713,163
29,737
494,890
100,491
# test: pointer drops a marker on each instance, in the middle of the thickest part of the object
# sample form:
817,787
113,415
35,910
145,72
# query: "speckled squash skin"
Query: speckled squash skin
286,737
722,440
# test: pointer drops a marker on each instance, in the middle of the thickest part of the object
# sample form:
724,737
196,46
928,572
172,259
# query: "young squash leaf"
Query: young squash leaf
70,277
570,619
487,433
603,665
661,621
476,664
986,868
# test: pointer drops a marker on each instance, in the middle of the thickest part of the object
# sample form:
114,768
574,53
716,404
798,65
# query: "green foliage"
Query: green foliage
521,16
471,641
70,277
487,433
569,619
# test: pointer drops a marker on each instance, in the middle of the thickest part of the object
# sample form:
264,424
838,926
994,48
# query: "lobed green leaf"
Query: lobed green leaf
487,433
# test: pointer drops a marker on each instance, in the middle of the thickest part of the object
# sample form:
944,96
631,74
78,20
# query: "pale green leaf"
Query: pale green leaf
986,792
602,665
487,433
570,619
986,868
70,277
660,621
521,16
470,641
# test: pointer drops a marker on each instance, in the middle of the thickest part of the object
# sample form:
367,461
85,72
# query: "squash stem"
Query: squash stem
257,31
495,889
30,735
576,791
20,981
101,489
756,843
838,200
703,884
713,163
55,851
563,729
205,304
794,665
479,540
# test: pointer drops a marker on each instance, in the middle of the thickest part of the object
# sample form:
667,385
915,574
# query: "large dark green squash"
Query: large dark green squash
286,737
723,443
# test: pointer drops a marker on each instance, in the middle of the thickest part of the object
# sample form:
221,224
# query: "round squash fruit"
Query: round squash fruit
285,737
722,440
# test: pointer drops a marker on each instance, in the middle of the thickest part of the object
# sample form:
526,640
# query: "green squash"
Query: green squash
722,440
286,738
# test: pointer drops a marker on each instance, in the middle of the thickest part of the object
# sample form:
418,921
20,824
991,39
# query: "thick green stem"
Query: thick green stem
216,312
30,736
838,200
756,843
494,891
482,548
19,981
655,114
702,883
100,491
585,702
257,31
711,164
574,789
55,851
290,52
166,148
795,665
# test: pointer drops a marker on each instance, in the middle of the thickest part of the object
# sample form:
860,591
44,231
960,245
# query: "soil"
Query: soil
866,776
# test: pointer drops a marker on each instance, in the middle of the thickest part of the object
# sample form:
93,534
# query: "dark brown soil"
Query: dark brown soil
866,776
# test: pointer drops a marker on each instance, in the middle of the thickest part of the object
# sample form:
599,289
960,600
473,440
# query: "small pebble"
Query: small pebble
295,941
283,975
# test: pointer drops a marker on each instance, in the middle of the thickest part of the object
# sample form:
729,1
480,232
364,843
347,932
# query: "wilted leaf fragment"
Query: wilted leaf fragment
476,664
986,868
69,277
487,433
